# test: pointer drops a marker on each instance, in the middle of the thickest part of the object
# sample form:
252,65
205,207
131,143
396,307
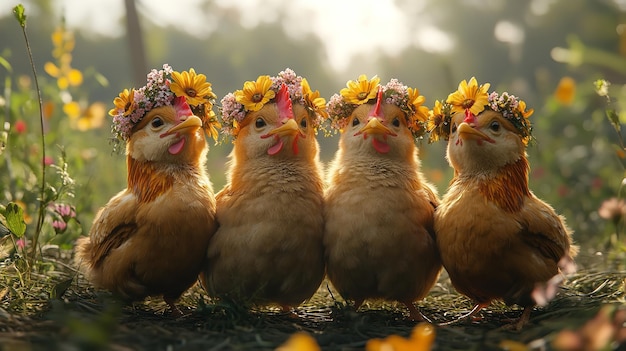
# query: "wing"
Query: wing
546,231
113,226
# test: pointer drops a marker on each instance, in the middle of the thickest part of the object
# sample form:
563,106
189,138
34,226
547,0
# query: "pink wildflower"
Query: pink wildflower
59,226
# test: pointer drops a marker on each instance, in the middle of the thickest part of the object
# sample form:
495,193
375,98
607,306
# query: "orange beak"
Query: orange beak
467,132
192,123
374,127
289,128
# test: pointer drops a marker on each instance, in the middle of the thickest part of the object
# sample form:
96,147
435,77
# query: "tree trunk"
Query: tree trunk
135,43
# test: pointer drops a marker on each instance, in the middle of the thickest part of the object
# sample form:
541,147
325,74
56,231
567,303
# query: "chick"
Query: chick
497,239
151,238
268,248
379,235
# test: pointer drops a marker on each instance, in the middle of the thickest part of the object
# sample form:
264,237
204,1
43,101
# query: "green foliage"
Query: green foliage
14,216
20,15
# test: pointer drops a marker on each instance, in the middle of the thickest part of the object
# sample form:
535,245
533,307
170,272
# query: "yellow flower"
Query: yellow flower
63,41
192,86
210,122
522,109
300,341
90,118
565,91
421,339
469,96
255,94
435,125
416,101
435,117
361,91
313,99
65,75
124,102
93,117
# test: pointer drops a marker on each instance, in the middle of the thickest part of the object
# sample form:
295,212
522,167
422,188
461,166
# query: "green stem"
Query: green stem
40,215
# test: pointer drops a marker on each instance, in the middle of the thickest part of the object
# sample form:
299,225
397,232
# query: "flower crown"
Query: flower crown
359,92
471,98
161,89
256,94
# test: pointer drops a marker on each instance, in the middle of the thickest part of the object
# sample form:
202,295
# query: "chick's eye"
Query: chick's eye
495,126
355,121
259,123
303,123
396,122
453,128
156,122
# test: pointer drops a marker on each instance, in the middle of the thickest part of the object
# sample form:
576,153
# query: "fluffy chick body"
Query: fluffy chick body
497,239
379,210
152,237
268,248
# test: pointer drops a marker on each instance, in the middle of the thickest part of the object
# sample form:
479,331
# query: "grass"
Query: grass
59,310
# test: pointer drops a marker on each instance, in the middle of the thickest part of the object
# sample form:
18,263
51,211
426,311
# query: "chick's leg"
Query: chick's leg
524,318
174,310
414,313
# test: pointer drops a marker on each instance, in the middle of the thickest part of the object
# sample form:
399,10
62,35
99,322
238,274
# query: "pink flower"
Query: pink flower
59,226
613,209
21,243
48,161
65,211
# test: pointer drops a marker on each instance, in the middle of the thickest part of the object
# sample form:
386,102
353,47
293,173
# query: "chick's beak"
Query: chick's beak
467,132
288,128
374,127
192,123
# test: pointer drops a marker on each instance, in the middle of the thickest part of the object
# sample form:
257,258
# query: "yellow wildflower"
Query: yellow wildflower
65,75
192,86
255,94
300,341
522,109
313,99
361,91
90,118
416,100
125,102
421,339
565,91
469,96
210,122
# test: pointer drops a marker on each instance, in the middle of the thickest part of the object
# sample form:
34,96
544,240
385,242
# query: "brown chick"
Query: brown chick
497,239
268,248
379,209
152,237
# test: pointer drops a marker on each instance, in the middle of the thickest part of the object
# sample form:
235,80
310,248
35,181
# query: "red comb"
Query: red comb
182,107
283,101
469,117
379,99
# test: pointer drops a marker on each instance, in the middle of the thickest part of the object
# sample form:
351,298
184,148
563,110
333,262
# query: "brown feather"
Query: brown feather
117,237
509,187
146,181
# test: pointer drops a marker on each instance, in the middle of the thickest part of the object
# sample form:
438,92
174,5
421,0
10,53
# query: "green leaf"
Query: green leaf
613,118
19,13
15,219
60,288
4,63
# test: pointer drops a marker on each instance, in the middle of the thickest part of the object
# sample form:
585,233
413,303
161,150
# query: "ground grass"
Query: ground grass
61,311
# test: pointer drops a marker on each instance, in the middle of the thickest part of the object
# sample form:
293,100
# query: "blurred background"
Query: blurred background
547,52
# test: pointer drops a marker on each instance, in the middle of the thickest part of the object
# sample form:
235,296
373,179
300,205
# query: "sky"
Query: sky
346,27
